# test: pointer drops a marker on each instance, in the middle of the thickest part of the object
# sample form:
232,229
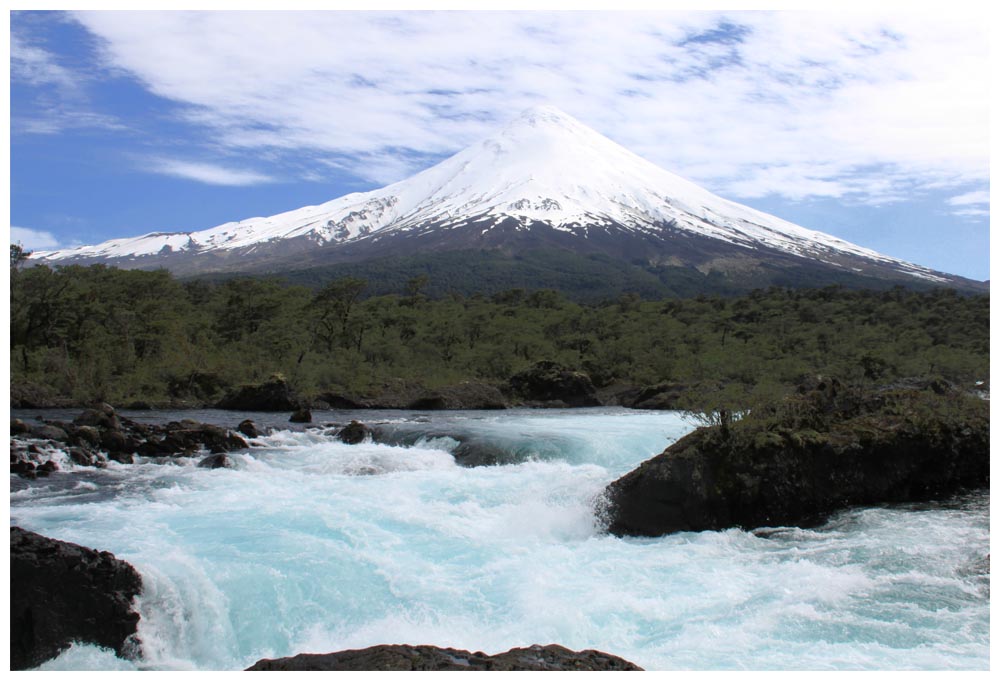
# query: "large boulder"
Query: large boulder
354,433
795,462
402,394
661,396
248,428
465,395
432,658
213,461
61,593
551,382
301,416
103,417
273,395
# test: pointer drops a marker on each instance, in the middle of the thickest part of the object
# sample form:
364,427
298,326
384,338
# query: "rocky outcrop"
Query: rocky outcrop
187,437
660,396
398,394
552,384
465,395
61,593
100,434
795,462
273,395
35,396
432,658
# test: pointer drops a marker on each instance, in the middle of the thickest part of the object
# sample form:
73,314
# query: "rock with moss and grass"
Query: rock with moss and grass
275,394
550,384
794,461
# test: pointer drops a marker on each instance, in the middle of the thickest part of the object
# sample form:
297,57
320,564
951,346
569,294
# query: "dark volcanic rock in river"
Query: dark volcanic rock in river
552,382
248,428
61,592
354,433
432,658
186,437
301,416
794,463
400,394
274,395
99,435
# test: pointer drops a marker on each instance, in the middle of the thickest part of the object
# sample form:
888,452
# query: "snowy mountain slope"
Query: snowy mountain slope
543,171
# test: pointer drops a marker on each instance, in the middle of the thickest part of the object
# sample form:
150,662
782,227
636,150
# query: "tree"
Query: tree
331,307
17,255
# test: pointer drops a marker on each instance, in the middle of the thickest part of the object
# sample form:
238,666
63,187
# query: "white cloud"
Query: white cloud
795,104
59,101
32,239
206,172
970,198
971,204
33,64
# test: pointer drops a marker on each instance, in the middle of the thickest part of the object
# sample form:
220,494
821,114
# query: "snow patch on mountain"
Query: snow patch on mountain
543,167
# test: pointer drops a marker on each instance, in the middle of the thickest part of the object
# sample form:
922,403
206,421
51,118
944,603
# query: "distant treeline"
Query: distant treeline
98,333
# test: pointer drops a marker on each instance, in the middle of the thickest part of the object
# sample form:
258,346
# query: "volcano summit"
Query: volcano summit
545,182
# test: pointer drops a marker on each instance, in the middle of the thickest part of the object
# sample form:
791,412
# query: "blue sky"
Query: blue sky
872,127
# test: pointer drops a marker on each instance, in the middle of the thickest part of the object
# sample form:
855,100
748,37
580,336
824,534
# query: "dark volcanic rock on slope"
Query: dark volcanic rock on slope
548,382
795,462
432,658
61,592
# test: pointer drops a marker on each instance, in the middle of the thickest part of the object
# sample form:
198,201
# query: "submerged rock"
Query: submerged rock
432,658
61,593
216,461
474,453
814,454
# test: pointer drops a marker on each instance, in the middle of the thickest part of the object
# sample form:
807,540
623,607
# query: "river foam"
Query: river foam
311,545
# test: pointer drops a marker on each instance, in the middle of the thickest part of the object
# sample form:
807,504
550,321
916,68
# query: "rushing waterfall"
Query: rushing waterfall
312,545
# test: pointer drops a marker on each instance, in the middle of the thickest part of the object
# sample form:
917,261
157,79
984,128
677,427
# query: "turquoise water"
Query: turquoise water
310,545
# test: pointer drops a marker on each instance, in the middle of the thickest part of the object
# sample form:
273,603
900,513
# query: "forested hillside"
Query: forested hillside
98,333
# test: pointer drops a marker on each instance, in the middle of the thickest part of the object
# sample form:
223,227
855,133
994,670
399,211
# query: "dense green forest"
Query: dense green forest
98,333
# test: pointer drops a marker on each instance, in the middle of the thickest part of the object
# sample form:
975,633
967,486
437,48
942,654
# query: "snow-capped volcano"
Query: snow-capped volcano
545,176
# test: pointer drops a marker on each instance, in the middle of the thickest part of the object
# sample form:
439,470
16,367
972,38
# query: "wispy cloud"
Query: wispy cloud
34,65
794,104
207,173
60,101
971,204
32,239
